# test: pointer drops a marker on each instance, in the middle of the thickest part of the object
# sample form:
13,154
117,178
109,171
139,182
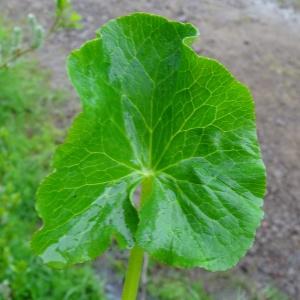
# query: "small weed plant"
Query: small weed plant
22,41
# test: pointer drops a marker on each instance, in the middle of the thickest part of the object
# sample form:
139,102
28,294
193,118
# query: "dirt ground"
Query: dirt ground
259,42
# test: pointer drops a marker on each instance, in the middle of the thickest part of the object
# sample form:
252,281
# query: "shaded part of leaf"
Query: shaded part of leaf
85,231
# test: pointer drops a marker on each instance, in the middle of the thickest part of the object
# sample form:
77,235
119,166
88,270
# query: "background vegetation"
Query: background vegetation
29,109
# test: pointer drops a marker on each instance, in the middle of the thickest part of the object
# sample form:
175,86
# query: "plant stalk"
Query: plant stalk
133,274
15,56
136,258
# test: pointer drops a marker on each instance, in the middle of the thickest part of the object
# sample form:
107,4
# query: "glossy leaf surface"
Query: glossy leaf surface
153,108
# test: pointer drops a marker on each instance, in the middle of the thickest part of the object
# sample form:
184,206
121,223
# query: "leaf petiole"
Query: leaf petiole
136,258
133,274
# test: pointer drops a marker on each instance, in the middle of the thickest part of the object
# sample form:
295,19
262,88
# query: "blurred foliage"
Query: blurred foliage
66,15
170,284
176,288
28,107
272,293
20,41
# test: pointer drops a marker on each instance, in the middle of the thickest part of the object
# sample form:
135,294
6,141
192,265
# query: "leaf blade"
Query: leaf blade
153,107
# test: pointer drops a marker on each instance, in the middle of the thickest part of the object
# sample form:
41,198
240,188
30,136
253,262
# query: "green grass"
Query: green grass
172,284
28,135
176,287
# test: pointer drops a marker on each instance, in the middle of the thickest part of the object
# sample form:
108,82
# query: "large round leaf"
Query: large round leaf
153,108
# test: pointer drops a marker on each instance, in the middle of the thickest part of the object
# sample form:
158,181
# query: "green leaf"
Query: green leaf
154,110
62,4
67,17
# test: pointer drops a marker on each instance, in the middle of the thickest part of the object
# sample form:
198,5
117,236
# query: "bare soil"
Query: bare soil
259,42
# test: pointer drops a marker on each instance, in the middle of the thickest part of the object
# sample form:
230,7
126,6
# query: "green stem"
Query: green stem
135,264
15,56
133,274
